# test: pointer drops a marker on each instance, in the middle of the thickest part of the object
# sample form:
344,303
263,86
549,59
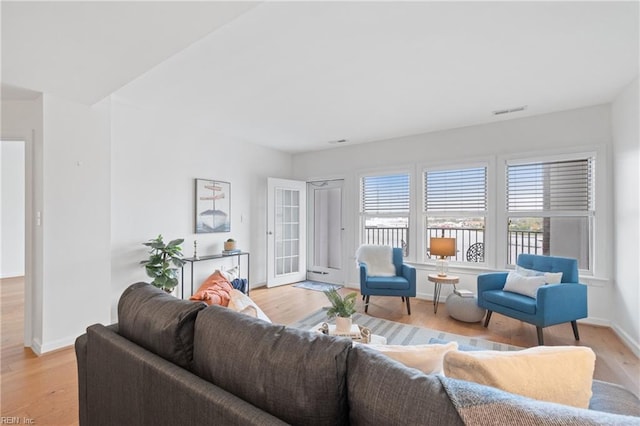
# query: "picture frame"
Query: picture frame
212,206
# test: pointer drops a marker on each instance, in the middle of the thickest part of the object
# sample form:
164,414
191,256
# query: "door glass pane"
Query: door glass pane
287,231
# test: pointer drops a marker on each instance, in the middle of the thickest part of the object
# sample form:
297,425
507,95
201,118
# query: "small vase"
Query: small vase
343,325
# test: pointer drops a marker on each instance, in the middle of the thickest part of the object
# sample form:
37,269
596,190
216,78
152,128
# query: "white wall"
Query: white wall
75,219
156,156
625,306
12,231
567,131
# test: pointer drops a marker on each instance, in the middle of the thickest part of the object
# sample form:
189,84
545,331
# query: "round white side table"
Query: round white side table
438,280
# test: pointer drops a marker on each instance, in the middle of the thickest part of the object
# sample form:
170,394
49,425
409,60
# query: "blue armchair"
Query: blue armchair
403,284
554,303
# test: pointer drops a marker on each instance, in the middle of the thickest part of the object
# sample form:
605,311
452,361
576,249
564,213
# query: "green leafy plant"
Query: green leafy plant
341,306
164,262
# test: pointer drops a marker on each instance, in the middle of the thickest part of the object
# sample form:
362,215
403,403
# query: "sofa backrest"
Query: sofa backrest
384,391
158,322
298,376
568,267
397,260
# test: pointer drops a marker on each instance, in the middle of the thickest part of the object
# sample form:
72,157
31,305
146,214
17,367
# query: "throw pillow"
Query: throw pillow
231,274
242,303
560,374
527,286
426,358
550,277
215,290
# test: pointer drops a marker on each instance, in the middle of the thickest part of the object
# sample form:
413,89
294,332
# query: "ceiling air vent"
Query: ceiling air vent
510,110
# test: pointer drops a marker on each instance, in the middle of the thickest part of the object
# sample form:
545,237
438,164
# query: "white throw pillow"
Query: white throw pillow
527,286
550,277
231,274
242,303
560,374
426,358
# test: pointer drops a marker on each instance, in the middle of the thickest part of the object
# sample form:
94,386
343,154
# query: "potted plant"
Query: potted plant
164,262
341,308
230,244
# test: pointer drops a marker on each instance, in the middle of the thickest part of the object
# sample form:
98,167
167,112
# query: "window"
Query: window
455,206
550,209
384,209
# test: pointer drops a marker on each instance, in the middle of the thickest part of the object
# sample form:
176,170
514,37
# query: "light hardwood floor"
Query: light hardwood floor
45,388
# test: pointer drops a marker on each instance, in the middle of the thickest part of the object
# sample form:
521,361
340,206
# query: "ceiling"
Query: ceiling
296,75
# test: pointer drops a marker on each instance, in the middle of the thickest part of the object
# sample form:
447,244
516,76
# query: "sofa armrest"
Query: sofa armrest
491,281
562,302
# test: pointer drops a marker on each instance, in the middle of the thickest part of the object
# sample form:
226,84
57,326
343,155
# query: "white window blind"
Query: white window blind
460,190
554,187
385,194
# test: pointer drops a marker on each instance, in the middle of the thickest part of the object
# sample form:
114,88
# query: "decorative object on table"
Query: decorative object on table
442,247
357,333
230,247
195,250
213,206
164,262
400,281
342,308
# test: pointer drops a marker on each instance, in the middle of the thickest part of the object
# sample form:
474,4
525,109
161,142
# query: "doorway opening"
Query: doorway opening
325,231
13,241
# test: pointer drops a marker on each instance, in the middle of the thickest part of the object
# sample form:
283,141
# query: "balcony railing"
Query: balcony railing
394,237
470,242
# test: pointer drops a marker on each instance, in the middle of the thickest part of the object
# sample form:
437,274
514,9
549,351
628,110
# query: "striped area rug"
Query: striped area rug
404,334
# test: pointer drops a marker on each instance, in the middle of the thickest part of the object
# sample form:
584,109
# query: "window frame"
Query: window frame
489,214
549,157
362,216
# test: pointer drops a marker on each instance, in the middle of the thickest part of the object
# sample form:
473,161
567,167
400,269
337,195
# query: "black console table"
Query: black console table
192,261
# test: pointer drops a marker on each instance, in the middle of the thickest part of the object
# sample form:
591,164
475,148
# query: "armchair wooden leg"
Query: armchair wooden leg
402,297
540,338
366,304
487,318
574,325
408,306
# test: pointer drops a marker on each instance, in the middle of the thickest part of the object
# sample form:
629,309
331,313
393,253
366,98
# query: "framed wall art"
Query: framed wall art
213,206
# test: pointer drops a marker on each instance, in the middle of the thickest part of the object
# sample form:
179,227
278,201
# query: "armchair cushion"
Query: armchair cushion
511,300
395,283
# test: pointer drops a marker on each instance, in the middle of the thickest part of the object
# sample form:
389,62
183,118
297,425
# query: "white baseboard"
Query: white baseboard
57,344
36,347
627,340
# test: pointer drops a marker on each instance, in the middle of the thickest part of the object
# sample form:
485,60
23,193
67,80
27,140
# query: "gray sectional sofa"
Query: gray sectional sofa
175,362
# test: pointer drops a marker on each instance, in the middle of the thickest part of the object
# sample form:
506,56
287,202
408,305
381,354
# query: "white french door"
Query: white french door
286,231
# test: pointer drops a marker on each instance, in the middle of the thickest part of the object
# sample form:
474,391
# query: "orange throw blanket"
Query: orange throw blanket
215,290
